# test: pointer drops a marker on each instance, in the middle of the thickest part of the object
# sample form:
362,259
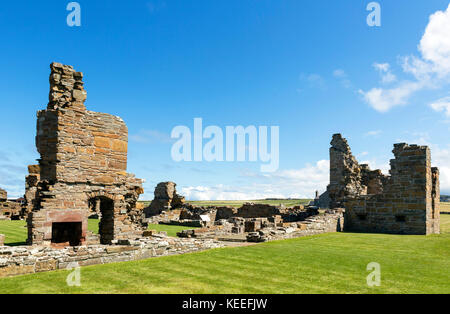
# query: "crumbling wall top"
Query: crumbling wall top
340,143
66,87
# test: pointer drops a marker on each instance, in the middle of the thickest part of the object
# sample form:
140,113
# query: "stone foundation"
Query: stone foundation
327,223
27,260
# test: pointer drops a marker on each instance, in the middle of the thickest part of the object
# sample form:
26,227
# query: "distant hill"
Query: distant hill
445,198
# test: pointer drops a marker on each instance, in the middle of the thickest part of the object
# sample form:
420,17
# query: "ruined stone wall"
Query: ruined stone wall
83,160
406,204
27,260
434,216
31,188
257,211
348,178
77,145
166,198
9,209
374,180
332,221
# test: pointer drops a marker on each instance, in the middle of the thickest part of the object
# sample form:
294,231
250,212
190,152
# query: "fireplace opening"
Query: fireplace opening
67,232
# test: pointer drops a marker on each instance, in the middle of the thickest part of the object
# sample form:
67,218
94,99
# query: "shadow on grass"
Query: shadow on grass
16,244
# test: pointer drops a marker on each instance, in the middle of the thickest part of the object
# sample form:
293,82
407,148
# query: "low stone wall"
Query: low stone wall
10,210
27,260
165,216
325,223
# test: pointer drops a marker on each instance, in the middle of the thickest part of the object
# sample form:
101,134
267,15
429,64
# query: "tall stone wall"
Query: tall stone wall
408,203
345,172
83,161
347,177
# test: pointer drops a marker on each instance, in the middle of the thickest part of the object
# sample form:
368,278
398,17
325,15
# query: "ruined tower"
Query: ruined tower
83,163
406,202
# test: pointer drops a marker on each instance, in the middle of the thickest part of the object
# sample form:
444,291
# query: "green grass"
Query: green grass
16,231
445,206
171,230
445,224
287,203
93,225
329,263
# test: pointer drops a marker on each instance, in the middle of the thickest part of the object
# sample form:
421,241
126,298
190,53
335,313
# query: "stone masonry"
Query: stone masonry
9,209
347,177
3,195
406,202
26,260
83,162
166,198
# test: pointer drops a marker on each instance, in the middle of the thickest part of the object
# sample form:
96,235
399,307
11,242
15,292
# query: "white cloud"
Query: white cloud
383,100
385,72
225,193
441,159
431,70
442,105
295,183
435,43
374,164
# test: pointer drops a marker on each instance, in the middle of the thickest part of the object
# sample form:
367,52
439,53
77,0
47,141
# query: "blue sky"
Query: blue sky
313,68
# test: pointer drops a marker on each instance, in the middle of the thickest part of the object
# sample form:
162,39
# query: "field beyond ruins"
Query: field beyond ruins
327,263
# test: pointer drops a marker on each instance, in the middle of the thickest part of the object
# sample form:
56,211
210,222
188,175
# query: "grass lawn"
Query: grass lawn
445,206
445,224
329,263
16,231
171,230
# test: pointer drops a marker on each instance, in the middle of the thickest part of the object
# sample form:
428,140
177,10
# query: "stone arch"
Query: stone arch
106,207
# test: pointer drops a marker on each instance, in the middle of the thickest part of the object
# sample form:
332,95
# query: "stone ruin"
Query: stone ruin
82,169
82,173
248,223
9,210
3,195
405,202
262,222
166,199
